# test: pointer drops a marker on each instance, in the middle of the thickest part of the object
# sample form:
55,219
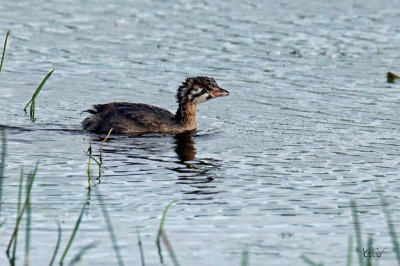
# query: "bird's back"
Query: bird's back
129,118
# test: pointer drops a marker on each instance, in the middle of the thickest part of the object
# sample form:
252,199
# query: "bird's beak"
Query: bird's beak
218,92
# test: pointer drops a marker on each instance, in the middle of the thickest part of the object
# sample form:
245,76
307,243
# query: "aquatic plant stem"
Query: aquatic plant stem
15,231
89,152
392,231
28,226
35,94
160,229
4,49
310,261
357,229
21,177
101,146
71,239
169,248
140,247
245,258
350,251
78,256
2,166
59,233
370,244
110,229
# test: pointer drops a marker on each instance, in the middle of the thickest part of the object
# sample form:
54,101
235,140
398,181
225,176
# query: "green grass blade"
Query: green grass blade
4,50
35,94
350,251
28,221
2,167
245,258
94,159
59,233
32,109
71,239
89,153
110,229
101,147
21,177
392,231
28,234
160,230
310,261
77,258
369,246
169,248
163,220
140,247
357,229
24,207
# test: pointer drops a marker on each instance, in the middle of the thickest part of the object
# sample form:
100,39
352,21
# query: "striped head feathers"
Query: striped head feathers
198,90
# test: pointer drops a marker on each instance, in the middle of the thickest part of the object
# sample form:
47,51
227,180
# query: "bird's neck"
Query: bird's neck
186,116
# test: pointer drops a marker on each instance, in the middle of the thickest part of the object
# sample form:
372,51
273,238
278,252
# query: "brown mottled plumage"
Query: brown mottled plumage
139,118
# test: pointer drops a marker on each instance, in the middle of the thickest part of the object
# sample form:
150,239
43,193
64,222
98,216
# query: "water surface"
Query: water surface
309,125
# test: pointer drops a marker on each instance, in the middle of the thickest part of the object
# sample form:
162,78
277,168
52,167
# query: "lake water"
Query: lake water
310,124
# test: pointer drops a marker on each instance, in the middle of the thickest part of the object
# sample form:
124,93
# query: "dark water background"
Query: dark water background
310,124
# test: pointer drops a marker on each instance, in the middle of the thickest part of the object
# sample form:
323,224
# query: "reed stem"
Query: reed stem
76,227
163,220
140,247
110,229
357,229
16,227
35,94
21,177
4,49
101,146
2,166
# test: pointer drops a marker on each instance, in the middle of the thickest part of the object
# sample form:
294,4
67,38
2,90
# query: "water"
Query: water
310,124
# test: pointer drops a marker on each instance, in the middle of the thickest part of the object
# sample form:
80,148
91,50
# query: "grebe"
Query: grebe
139,118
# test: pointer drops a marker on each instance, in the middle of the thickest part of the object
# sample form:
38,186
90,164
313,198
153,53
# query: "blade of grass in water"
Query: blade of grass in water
161,229
140,247
357,229
94,159
392,231
2,166
169,248
4,50
28,223
369,246
163,219
101,146
82,252
350,251
245,258
21,176
89,152
15,231
71,239
310,261
35,94
110,229
59,231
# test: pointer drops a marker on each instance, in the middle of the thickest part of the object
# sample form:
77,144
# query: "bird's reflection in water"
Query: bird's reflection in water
196,173
185,148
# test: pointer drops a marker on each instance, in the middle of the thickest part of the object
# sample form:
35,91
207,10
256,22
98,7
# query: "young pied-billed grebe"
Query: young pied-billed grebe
139,118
